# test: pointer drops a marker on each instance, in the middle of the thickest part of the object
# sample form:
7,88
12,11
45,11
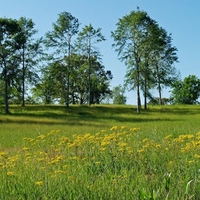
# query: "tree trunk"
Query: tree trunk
89,81
6,92
138,89
23,79
145,94
160,95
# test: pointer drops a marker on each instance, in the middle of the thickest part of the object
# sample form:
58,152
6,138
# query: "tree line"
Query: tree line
65,65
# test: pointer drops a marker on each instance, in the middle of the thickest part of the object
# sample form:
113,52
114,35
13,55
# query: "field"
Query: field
100,152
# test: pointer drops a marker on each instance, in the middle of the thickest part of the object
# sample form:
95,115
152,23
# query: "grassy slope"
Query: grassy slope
33,120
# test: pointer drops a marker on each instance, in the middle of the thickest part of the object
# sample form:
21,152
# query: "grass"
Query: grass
100,152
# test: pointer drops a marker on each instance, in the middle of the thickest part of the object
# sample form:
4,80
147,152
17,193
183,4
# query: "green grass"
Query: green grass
87,159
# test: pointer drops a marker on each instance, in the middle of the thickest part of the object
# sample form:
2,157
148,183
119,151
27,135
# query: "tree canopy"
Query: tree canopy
147,52
186,91
65,66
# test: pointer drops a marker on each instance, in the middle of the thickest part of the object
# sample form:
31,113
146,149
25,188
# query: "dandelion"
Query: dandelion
97,163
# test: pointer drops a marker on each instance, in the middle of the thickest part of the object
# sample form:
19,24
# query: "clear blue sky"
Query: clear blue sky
179,17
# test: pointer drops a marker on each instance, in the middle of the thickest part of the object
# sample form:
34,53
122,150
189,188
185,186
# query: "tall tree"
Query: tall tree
8,31
60,39
86,41
29,49
163,56
131,43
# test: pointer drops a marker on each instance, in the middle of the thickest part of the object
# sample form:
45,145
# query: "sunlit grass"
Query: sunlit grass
116,163
97,152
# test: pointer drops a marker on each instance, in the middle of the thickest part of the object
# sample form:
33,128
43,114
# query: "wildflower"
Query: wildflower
41,137
3,153
158,146
10,173
97,163
123,127
25,149
190,161
39,183
134,129
168,136
114,128
140,150
122,144
40,159
196,155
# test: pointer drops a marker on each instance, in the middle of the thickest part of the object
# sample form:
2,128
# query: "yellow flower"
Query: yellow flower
140,150
25,149
3,153
39,183
97,163
41,137
114,128
196,155
190,161
10,173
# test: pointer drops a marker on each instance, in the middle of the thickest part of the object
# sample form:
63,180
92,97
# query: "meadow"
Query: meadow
100,152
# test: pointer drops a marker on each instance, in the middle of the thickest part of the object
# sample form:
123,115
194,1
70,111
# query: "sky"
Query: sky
179,17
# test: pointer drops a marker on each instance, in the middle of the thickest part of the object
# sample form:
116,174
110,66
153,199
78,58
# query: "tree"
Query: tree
60,39
29,49
86,41
8,60
131,38
163,57
186,91
147,52
118,95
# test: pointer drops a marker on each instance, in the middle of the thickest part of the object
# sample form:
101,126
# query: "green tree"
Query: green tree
60,40
118,95
163,56
51,87
132,42
8,47
29,49
86,41
186,91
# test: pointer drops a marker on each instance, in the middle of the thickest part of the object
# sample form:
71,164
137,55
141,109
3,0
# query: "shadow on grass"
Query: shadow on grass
94,115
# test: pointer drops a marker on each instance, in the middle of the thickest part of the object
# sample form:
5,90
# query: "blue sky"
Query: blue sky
180,18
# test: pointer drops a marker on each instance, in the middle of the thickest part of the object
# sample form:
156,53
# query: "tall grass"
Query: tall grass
100,152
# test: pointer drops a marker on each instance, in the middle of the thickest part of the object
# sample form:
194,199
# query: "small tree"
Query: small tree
118,95
186,91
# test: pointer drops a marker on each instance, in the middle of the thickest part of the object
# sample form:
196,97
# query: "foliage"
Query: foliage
86,41
147,52
8,60
186,91
29,50
118,95
60,40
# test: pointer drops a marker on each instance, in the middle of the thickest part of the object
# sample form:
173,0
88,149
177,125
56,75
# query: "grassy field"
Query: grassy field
100,152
